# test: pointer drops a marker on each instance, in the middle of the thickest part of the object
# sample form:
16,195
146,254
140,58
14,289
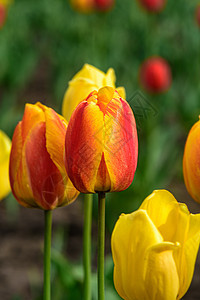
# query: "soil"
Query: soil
21,243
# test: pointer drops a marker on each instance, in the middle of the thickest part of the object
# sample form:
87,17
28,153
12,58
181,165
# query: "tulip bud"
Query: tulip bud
197,15
83,83
101,143
153,5
3,15
191,162
155,248
37,174
5,146
155,75
103,5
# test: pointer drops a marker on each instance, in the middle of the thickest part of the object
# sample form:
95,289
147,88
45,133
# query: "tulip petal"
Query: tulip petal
121,91
77,91
132,236
55,135
161,277
33,114
56,127
5,146
92,73
163,209
191,162
109,79
84,146
46,180
19,176
187,257
121,147
176,224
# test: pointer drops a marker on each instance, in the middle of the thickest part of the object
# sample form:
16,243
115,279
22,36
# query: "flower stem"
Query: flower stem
88,198
47,255
101,244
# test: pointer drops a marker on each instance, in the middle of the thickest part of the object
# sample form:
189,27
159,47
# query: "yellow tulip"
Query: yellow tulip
6,2
83,83
154,249
5,146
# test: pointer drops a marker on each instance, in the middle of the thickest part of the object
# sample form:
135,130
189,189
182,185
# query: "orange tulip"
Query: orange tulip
101,143
191,162
37,174
83,6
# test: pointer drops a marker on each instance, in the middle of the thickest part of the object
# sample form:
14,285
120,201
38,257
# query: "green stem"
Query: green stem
47,255
101,244
88,198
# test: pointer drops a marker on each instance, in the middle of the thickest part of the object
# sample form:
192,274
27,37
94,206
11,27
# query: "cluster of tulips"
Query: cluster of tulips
154,248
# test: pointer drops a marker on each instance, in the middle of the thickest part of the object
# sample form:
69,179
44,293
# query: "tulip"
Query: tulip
83,6
103,5
153,5
154,249
101,143
3,15
155,75
5,146
83,83
4,4
191,162
37,174
197,15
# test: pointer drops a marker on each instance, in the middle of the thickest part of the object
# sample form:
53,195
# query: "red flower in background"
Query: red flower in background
3,14
153,5
155,75
197,14
104,5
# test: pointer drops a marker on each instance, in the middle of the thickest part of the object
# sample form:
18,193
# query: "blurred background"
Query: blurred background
42,45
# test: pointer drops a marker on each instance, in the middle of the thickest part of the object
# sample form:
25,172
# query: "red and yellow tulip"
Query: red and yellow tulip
191,162
37,174
5,146
101,143
155,248
83,83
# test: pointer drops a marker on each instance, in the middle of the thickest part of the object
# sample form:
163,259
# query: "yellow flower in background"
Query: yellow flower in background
83,83
83,6
5,146
6,2
154,249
